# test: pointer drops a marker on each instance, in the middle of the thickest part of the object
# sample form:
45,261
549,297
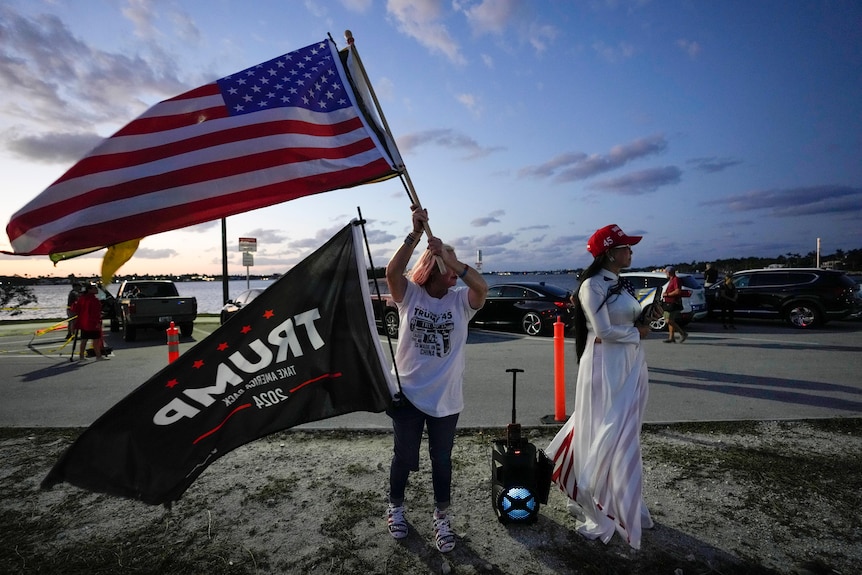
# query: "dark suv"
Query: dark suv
804,297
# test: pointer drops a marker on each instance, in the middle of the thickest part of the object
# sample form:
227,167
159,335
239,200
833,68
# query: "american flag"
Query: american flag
277,131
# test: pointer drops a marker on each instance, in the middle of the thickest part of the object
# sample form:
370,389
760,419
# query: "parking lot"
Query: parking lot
763,370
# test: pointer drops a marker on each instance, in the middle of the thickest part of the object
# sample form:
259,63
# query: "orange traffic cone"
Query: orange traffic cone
173,342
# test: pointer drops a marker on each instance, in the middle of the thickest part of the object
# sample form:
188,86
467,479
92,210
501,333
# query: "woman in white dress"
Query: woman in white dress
597,453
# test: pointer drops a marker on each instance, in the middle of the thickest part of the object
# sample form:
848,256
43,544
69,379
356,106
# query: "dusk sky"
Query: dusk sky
714,129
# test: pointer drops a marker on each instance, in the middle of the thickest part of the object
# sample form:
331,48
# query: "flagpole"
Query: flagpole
408,183
225,292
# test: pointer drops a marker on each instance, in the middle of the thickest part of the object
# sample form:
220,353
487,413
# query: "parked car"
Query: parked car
804,297
531,307
234,305
858,279
154,304
693,297
385,312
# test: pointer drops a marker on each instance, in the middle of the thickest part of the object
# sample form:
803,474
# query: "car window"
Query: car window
796,278
639,282
655,282
770,279
495,291
514,292
689,282
557,291
742,281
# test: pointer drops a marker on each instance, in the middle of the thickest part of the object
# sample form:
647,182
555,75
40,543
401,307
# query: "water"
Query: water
52,298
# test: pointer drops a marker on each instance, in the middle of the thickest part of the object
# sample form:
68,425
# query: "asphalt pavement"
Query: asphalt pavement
764,370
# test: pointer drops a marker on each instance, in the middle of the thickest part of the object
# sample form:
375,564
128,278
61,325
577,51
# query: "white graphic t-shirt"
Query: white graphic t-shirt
430,355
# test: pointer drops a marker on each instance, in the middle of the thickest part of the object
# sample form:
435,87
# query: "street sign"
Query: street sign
247,259
248,244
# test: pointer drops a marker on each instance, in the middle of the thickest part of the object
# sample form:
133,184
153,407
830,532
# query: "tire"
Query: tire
659,324
129,332
531,323
803,315
186,329
390,323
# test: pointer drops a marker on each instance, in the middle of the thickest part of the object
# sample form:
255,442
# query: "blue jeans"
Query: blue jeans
408,424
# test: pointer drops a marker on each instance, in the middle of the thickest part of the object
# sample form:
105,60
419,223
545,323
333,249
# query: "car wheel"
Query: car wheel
659,324
186,329
390,323
803,315
531,323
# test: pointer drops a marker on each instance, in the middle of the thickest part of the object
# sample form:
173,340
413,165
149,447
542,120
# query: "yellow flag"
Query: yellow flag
116,256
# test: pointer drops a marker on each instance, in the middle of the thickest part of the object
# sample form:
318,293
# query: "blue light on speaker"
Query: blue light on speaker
518,504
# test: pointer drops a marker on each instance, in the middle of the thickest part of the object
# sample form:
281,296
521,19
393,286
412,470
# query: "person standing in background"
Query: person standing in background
710,276
727,296
89,311
672,299
71,324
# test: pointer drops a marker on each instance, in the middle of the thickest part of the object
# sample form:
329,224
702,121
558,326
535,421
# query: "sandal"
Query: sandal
444,538
396,522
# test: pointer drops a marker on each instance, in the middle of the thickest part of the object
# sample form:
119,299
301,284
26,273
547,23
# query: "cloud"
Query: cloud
550,167
713,164
689,47
360,6
491,16
792,202
155,254
54,82
470,102
496,17
540,35
573,166
266,237
614,54
418,19
642,182
485,220
53,148
145,14
445,138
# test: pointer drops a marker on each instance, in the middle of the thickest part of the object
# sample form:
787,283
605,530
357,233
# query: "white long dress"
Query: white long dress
597,453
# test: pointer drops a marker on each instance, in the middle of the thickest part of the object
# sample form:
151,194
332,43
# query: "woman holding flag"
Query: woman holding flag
430,363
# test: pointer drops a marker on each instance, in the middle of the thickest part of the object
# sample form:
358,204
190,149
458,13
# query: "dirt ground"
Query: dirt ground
770,497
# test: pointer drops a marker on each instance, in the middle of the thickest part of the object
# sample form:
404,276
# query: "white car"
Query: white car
693,298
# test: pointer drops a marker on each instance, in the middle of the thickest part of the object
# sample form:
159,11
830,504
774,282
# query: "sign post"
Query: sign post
247,246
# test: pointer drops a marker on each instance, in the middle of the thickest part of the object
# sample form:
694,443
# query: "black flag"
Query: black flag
304,350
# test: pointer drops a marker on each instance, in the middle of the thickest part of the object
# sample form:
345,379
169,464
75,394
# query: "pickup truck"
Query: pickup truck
153,304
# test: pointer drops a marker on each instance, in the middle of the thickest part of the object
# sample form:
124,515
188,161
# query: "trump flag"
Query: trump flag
306,349
293,126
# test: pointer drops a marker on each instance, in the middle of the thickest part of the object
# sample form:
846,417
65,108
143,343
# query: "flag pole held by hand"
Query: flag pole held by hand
408,183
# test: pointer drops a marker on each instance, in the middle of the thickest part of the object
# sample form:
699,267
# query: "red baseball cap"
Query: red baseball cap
609,237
